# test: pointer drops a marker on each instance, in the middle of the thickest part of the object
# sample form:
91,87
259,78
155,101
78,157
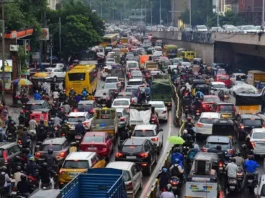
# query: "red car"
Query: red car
225,79
99,142
208,101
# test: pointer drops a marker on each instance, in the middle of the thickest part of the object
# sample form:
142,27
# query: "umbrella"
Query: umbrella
22,82
175,140
40,75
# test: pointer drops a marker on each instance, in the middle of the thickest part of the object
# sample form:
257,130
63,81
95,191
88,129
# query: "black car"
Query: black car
244,123
140,151
60,148
104,97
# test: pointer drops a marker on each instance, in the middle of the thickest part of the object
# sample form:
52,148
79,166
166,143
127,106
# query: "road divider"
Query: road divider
177,101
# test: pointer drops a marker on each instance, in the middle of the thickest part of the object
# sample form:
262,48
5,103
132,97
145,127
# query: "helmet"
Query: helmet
251,157
177,150
238,154
44,164
189,119
3,168
218,147
164,169
27,150
17,158
18,168
9,117
176,160
50,151
185,131
31,159
23,177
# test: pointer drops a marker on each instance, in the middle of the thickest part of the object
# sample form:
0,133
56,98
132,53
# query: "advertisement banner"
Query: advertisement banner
44,34
8,65
201,189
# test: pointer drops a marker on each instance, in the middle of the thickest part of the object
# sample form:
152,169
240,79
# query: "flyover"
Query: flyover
236,49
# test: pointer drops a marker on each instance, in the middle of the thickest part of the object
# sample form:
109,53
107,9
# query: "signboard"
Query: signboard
8,65
44,34
201,189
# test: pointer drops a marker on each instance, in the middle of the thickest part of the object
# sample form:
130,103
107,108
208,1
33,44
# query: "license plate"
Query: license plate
131,157
92,148
232,187
174,187
197,113
221,168
250,180
78,137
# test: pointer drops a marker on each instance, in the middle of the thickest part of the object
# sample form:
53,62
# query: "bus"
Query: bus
87,57
80,77
110,39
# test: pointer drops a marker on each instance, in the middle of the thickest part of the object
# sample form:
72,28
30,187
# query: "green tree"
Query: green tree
230,18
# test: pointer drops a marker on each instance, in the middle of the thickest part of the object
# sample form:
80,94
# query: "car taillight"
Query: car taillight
122,119
242,126
221,164
204,106
130,186
92,111
155,139
199,124
143,155
5,156
230,151
19,142
62,154
253,144
234,108
119,154
204,149
37,155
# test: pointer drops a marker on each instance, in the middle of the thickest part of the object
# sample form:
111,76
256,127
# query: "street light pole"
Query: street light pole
3,52
101,9
151,13
160,17
262,20
217,12
190,11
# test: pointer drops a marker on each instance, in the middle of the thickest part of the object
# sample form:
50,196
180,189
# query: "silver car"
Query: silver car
257,139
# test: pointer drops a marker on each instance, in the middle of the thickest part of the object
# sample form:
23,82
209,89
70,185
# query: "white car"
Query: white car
135,81
186,64
113,79
84,117
215,86
55,73
132,176
150,132
205,123
257,139
160,108
131,65
158,53
110,61
259,190
121,103
238,76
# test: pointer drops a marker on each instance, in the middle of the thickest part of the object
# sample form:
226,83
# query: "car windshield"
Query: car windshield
252,122
159,106
225,146
33,106
132,148
258,136
143,133
76,164
93,139
136,73
226,108
219,86
132,65
54,147
121,103
134,82
201,27
84,107
133,90
111,80
126,176
110,86
207,120
76,119
211,99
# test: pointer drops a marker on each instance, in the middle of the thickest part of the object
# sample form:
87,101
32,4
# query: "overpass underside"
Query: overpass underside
243,56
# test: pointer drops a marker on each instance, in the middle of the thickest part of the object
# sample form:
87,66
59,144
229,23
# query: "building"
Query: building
178,6
52,4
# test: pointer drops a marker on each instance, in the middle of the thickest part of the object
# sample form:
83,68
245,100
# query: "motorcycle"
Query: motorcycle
221,167
175,183
232,185
10,137
251,181
240,176
148,97
78,138
186,110
197,114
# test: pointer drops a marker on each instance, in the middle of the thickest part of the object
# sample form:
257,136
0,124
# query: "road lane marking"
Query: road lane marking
160,162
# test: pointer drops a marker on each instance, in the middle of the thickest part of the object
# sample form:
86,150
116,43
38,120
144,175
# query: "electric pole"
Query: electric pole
3,52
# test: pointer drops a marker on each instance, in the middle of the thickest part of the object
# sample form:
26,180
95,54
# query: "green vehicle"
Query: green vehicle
161,90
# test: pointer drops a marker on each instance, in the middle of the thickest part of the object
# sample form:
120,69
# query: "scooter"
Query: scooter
186,110
251,181
232,185
175,183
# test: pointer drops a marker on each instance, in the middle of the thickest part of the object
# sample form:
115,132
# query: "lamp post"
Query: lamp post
151,13
190,11
160,18
3,52
262,20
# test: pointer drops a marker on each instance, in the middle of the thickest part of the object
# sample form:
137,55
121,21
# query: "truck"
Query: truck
255,76
98,182
105,119
161,90
139,114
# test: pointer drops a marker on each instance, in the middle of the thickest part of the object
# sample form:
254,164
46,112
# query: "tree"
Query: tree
230,18
79,34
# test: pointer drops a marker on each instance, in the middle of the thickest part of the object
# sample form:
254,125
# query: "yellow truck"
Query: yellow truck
255,76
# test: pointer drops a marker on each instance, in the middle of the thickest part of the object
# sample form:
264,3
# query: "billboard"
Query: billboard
8,65
44,34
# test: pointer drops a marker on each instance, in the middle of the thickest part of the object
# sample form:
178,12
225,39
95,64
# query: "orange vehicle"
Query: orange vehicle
143,60
40,115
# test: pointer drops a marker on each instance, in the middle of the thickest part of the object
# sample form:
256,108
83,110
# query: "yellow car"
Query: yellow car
78,162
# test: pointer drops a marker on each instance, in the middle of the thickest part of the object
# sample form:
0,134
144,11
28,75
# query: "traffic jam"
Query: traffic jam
102,127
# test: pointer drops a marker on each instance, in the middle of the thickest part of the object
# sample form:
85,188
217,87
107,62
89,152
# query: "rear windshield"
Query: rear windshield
84,107
258,135
211,99
121,103
111,80
226,108
132,65
223,77
134,82
77,76
33,106
225,146
132,149
158,105
143,133
76,119
131,90
93,139
54,147
207,120
249,122
218,86
76,164
110,86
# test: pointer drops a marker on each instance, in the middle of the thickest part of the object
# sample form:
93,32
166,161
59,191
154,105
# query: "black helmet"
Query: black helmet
44,164
27,150
50,151
218,147
3,168
9,117
18,168
17,158
177,150
23,178
73,143
238,154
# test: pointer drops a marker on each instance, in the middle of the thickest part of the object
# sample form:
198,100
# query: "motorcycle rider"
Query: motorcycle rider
250,166
65,129
17,175
45,176
32,167
24,137
164,178
72,93
188,122
177,156
231,169
21,118
197,105
199,94
12,129
79,128
177,170
57,121
66,107
55,95
5,181
168,193
239,160
42,131
147,90
51,160
23,186
154,116
2,135
33,124
244,151
84,93
37,96
62,96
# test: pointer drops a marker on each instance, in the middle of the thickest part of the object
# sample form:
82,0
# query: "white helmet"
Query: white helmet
185,131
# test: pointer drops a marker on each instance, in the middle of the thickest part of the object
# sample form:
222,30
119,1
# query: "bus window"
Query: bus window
107,40
188,54
192,54
77,76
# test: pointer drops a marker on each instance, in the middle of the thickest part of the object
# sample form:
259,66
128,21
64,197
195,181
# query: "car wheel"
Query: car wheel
149,170
155,162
